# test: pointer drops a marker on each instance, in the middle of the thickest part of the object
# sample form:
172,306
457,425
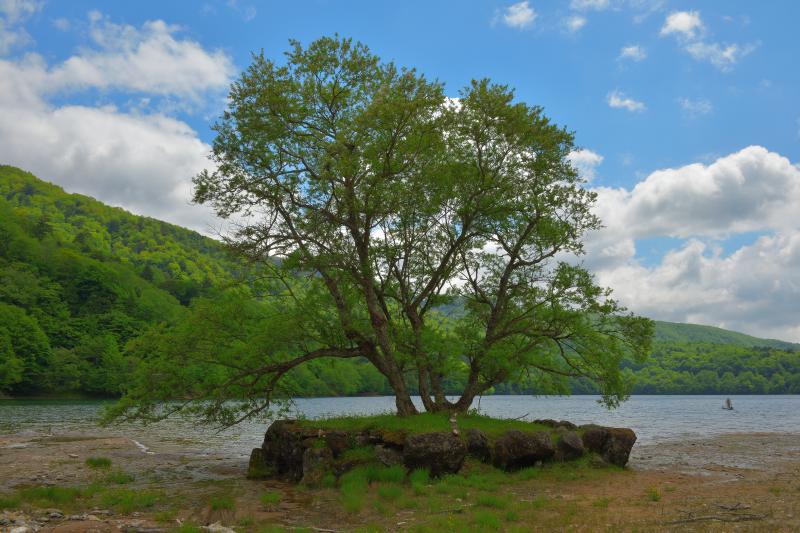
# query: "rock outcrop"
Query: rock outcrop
299,452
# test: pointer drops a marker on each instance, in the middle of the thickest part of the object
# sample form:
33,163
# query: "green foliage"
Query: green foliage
375,201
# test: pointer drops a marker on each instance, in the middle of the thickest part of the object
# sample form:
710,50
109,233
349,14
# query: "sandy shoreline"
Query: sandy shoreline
744,481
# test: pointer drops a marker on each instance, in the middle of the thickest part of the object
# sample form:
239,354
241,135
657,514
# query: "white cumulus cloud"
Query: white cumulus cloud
520,15
684,23
585,162
137,159
689,28
619,100
754,289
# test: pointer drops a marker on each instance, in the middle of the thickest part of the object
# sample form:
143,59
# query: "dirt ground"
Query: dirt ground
735,482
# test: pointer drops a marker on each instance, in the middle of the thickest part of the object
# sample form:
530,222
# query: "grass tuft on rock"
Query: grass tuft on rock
422,423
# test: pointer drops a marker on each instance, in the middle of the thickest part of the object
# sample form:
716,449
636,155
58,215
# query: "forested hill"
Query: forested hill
672,332
78,279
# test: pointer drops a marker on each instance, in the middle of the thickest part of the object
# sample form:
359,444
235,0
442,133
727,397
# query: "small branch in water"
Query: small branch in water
521,417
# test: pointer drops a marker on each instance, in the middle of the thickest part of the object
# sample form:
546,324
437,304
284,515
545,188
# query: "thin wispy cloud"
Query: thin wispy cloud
575,23
695,107
586,5
633,52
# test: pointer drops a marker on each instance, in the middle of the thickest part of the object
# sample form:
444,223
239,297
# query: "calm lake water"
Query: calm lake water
654,418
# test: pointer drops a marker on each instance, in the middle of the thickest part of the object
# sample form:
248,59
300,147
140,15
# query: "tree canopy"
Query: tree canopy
430,236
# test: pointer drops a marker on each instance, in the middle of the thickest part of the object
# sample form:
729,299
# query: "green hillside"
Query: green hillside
80,280
667,332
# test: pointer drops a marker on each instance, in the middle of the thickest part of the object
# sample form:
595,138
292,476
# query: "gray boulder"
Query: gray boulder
569,446
516,449
613,444
317,463
478,445
440,453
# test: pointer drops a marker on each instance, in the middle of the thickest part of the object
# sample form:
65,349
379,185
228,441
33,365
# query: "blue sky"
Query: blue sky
687,113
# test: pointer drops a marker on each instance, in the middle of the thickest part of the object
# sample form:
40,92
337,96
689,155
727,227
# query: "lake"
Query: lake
654,418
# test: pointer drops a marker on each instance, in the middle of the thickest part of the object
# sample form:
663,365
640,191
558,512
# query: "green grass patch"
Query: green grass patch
9,501
486,520
98,462
127,501
419,479
359,454
271,498
528,473
187,528
353,488
166,516
389,492
423,423
221,502
601,503
539,502
653,494
118,478
385,474
492,501
50,496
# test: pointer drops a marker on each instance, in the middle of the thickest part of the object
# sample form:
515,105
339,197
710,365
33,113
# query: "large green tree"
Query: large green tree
428,235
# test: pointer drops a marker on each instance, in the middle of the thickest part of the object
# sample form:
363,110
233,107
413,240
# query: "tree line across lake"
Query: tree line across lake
88,291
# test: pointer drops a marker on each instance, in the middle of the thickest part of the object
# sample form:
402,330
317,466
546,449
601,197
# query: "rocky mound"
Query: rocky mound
303,453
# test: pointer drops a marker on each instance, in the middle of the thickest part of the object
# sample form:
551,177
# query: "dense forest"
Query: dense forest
87,290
